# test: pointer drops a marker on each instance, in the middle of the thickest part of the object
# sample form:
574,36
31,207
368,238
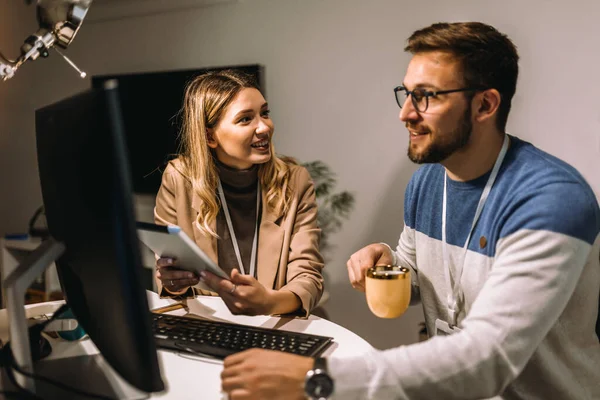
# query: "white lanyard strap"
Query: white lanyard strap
454,284
236,247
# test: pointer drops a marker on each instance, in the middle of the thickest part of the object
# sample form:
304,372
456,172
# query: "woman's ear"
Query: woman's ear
487,104
210,138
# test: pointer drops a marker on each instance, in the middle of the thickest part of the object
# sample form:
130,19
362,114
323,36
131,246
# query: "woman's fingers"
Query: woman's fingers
166,262
217,284
242,279
233,304
242,294
175,273
175,278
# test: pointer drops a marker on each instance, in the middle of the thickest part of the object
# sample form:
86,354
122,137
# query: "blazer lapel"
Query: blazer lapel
270,242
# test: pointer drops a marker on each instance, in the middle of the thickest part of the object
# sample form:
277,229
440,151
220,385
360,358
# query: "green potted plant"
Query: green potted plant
333,208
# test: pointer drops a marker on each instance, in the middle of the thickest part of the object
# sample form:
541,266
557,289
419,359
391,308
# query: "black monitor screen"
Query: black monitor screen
151,102
87,196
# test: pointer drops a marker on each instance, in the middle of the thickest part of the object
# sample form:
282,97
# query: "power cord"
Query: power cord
58,384
8,362
11,395
6,359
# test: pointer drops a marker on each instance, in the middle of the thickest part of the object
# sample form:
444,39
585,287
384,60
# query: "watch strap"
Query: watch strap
320,363
316,376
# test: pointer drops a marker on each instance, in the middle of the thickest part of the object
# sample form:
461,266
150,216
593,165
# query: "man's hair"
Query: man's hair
489,58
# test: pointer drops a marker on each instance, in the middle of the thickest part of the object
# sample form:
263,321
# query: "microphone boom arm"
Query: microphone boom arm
59,21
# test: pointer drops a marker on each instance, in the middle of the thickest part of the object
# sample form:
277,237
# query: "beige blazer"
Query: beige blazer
288,246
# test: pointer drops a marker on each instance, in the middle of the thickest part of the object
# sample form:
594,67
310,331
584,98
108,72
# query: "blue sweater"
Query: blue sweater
530,289
534,190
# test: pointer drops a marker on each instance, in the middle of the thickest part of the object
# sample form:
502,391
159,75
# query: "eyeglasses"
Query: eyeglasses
420,97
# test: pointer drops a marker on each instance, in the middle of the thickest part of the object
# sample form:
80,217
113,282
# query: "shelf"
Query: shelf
15,251
25,245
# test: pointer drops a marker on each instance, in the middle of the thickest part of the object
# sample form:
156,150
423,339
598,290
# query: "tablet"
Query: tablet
171,241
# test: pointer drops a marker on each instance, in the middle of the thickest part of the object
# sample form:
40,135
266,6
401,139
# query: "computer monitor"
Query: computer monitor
87,195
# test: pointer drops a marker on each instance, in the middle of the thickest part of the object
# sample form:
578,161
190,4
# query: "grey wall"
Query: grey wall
330,69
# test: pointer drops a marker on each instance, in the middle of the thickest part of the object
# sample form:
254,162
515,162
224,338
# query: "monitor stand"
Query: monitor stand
15,285
87,373
90,373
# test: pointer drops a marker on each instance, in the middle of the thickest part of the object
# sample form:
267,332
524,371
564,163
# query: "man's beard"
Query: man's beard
444,146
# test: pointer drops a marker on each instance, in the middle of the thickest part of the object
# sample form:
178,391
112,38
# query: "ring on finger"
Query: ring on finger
233,289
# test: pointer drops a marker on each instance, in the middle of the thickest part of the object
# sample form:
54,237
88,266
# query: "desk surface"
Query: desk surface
190,377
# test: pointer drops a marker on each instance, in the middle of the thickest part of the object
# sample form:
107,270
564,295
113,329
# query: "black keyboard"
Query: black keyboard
220,339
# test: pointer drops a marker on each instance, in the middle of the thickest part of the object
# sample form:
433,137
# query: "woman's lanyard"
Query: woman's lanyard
232,233
454,285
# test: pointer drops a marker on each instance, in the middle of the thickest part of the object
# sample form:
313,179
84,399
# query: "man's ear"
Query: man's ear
210,139
487,104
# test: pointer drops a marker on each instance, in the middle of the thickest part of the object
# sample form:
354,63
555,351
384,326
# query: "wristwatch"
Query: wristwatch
318,385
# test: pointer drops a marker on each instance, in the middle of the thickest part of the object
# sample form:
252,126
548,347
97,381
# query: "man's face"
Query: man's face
445,126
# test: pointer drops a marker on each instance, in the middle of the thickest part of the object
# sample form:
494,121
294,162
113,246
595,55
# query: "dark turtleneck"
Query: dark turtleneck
240,189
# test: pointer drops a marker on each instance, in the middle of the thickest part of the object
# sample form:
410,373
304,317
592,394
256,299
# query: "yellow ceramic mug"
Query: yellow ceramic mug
387,289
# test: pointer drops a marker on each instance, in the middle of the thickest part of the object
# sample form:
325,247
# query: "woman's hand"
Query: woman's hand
243,294
173,279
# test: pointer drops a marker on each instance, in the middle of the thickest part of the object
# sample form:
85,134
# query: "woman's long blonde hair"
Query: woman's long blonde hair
206,98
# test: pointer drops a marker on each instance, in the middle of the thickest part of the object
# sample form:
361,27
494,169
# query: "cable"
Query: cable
5,359
10,395
8,361
60,384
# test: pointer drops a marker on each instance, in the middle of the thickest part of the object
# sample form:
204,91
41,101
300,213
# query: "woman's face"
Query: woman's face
242,137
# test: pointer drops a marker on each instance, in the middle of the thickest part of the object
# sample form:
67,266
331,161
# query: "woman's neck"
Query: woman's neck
239,178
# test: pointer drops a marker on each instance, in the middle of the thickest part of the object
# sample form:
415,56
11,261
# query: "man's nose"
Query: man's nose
408,112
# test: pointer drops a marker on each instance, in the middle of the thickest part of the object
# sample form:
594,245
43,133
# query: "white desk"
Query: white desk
190,377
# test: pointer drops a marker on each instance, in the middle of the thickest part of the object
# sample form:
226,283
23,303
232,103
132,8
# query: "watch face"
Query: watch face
319,386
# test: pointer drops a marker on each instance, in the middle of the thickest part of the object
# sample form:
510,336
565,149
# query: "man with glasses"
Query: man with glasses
499,239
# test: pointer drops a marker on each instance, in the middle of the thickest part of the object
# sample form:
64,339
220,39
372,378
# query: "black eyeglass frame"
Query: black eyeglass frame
427,94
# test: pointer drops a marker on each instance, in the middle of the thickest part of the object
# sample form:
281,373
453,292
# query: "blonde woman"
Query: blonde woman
252,212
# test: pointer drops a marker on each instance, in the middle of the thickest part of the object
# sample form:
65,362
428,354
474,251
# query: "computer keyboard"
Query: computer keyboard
220,339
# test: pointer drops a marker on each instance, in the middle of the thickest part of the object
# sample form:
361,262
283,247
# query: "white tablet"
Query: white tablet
171,241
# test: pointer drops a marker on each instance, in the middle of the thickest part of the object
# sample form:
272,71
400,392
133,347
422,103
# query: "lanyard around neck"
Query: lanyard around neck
236,247
454,285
